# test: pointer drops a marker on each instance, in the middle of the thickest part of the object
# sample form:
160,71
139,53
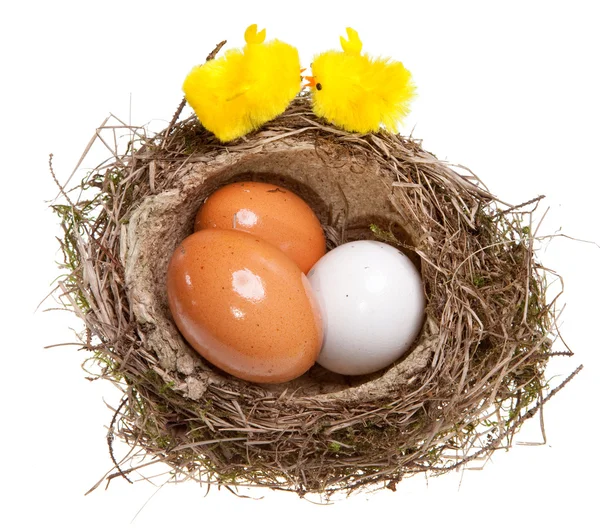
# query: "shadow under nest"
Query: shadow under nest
474,375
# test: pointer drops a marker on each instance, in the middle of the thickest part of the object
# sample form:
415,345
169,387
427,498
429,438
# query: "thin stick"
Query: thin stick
530,413
182,103
82,157
60,187
110,437
216,50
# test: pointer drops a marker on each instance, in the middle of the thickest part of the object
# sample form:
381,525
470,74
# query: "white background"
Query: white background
510,91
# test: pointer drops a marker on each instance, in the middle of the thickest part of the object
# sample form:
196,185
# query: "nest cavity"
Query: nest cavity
474,375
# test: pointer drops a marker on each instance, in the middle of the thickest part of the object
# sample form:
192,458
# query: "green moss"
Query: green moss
479,281
334,447
384,235
164,441
167,387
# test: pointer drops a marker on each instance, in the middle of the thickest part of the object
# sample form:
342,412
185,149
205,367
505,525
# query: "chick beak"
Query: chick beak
312,83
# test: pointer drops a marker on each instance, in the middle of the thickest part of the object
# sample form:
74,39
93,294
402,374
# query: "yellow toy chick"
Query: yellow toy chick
242,90
358,93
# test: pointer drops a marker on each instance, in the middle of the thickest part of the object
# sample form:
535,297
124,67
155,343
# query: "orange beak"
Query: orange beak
312,82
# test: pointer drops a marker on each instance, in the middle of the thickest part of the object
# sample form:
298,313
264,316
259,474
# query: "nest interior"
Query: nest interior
473,376
347,202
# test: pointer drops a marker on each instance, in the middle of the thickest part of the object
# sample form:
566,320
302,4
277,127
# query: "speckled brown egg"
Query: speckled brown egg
244,306
270,212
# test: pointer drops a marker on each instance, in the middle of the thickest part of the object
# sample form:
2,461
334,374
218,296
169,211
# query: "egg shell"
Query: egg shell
271,212
372,302
244,306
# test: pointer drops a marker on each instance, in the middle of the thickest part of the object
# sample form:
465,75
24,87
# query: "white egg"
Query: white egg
372,303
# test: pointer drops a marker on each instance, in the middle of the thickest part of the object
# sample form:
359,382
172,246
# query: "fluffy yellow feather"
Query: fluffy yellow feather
242,90
358,93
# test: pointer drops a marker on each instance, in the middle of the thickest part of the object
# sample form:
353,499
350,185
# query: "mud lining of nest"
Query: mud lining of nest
475,374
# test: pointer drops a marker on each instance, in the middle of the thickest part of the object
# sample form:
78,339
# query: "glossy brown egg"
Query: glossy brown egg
244,306
270,212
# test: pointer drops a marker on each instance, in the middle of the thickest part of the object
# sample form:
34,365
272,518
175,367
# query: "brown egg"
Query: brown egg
244,306
270,212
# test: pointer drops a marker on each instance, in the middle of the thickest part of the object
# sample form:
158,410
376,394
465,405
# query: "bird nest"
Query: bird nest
474,375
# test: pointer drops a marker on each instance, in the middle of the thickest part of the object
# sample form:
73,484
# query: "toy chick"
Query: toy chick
358,93
246,88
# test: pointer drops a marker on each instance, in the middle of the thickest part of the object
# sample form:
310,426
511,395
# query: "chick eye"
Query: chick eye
318,86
